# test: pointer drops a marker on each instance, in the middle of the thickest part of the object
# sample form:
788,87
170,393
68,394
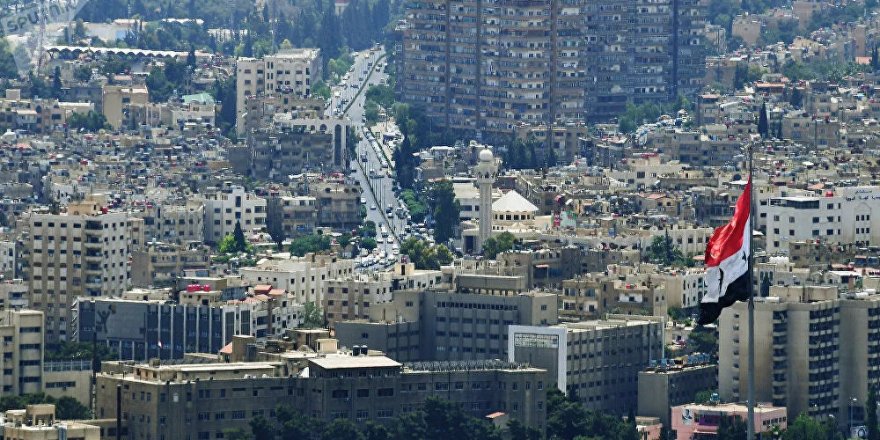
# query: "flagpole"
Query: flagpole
751,402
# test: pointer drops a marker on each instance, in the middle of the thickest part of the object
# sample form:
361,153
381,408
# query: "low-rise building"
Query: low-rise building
663,386
692,420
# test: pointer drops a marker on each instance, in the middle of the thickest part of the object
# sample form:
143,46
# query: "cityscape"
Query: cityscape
439,219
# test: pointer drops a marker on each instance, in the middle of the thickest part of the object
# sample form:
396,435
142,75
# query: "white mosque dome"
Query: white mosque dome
486,155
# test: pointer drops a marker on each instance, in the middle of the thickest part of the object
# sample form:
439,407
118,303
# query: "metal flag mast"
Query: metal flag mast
751,383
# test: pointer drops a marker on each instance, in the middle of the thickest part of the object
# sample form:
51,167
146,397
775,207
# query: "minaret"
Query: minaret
486,170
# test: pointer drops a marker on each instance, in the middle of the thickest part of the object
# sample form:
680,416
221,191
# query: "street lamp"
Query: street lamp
852,401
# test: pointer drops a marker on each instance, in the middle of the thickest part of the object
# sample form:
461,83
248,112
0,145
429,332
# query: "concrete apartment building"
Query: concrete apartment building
440,326
175,223
230,205
844,218
81,252
339,204
821,350
159,264
23,345
293,70
596,362
351,297
202,400
294,215
487,70
662,387
289,145
306,278
116,98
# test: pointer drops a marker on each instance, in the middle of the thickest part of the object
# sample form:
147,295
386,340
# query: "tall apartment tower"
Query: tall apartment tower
82,252
817,350
22,362
484,67
641,51
486,170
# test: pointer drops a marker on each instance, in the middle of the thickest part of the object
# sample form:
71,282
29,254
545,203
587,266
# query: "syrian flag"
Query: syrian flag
727,262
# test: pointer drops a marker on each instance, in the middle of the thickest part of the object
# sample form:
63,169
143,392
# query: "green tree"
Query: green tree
68,408
56,82
8,68
503,242
341,429
321,90
310,244
368,243
241,243
703,396
262,429
227,245
519,431
91,121
425,256
702,340
236,434
808,428
446,208
375,431
763,125
82,73
312,316
68,351
663,251
731,428
871,414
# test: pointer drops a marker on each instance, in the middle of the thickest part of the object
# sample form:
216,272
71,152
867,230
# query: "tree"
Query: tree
341,429
191,56
702,340
375,431
56,82
238,236
68,408
368,243
8,68
518,431
424,256
262,429
226,245
236,434
446,208
503,242
310,244
91,121
763,125
703,396
731,428
871,414
807,428
312,316
663,251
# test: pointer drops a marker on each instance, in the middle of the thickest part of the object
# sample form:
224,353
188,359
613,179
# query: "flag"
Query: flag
727,262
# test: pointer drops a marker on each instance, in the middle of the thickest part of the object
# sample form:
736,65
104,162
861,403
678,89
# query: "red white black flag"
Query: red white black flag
727,262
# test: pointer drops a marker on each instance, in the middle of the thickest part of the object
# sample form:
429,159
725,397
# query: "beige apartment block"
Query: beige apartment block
117,98
81,252
294,70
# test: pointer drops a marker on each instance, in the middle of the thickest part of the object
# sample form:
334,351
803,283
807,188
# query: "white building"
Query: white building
82,252
294,69
231,205
845,217
306,278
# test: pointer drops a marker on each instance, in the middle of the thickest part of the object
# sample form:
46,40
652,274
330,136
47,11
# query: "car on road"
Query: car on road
363,200
373,207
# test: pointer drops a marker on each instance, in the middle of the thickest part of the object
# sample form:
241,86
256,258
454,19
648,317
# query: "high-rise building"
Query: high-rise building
657,55
82,252
486,68
816,352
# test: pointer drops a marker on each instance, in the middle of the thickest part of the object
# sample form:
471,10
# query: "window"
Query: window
385,392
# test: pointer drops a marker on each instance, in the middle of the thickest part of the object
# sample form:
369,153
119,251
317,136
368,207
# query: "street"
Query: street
374,175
